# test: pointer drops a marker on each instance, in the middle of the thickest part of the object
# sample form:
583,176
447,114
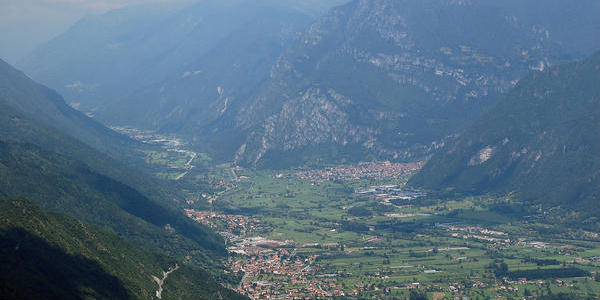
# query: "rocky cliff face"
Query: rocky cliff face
541,142
393,77
314,117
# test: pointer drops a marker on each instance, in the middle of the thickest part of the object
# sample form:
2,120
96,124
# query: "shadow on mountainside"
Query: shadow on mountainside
30,268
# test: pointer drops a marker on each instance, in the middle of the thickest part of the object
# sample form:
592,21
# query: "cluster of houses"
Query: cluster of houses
497,238
372,170
281,274
272,269
233,226
148,137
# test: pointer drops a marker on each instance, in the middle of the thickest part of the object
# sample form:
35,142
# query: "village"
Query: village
371,170
148,137
297,276
496,238
274,269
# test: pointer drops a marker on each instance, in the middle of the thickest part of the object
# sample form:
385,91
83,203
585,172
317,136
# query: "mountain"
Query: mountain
371,79
206,87
562,19
103,58
43,160
392,79
33,113
57,183
51,256
47,107
540,143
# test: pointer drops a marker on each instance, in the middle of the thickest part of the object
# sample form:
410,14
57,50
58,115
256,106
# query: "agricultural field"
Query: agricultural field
357,231
365,235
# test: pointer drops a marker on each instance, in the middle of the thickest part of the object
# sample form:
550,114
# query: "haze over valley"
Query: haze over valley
299,149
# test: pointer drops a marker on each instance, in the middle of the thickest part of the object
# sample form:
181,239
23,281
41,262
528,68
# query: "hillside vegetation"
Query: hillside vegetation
542,143
44,160
51,256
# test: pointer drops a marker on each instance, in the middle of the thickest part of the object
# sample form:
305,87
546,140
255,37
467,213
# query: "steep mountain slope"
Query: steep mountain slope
208,85
60,173
57,183
32,113
566,23
106,57
393,78
50,256
542,142
48,108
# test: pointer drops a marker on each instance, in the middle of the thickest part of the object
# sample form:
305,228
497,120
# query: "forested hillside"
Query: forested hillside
541,142
44,160
51,256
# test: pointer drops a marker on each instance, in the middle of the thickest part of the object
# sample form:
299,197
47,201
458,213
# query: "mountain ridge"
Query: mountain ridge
403,75
396,79
61,173
48,107
540,143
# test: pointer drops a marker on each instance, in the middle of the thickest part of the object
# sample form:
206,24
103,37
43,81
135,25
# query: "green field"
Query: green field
388,248
365,246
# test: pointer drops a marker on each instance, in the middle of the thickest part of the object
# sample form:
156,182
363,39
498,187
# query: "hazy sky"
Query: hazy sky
24,24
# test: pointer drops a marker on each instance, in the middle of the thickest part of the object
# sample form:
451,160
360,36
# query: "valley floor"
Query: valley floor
358,231
294,238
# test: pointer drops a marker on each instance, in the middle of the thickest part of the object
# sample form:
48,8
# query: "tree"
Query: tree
503,268
417,296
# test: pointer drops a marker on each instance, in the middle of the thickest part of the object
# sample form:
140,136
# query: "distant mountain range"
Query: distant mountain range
261,83
540,143
212,81
103,58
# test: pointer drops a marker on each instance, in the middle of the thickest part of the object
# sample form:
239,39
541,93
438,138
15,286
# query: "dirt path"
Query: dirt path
160,282
181,175
188,165
194,155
